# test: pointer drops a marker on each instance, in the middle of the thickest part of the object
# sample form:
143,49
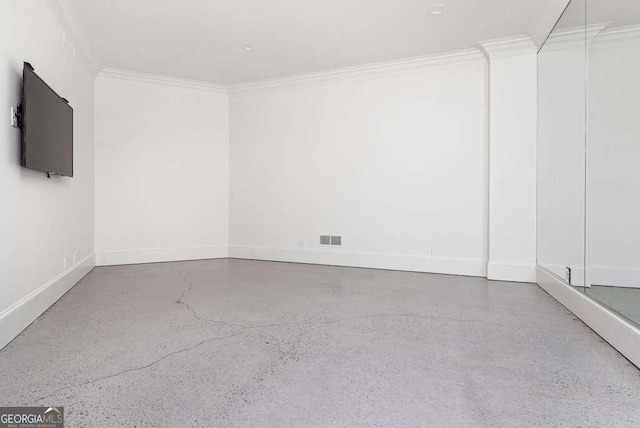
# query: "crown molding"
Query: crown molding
596,36
617,37
364,70
574,37
409,64
75,28
132,76
508,46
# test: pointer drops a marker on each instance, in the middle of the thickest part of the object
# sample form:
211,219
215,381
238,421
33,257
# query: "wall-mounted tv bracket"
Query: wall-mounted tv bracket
19,112
18,116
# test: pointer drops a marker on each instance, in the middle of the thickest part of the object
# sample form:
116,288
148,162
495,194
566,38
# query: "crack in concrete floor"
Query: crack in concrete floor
146,366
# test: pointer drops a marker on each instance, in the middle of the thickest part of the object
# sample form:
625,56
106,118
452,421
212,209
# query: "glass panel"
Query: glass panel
613,142
561,147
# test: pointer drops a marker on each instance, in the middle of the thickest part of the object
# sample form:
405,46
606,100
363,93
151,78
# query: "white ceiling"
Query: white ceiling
203,39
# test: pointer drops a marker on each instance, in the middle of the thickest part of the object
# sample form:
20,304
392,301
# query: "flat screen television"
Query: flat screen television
47,127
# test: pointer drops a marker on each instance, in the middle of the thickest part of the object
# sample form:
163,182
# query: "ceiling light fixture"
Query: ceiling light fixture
437,9
247,47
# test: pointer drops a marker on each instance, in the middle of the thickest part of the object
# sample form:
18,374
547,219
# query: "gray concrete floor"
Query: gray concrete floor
246,343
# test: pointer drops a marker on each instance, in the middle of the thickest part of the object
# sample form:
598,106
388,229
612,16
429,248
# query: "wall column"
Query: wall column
512,158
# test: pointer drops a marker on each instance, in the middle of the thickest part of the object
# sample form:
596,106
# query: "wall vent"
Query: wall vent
330,240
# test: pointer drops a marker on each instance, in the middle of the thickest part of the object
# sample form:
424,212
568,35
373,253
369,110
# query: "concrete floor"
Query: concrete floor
245,343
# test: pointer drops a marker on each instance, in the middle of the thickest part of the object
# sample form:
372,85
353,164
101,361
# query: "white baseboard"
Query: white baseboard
452,266
18,316
156,255
620,333
514,272
614,276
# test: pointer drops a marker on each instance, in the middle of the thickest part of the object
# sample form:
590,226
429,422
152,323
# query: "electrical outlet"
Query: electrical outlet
432,251
301,245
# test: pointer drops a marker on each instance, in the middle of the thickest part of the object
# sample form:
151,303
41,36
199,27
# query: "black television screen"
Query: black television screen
47,127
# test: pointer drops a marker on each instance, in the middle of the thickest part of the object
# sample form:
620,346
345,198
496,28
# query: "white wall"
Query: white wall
394,161
162,152
512,159
42,221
